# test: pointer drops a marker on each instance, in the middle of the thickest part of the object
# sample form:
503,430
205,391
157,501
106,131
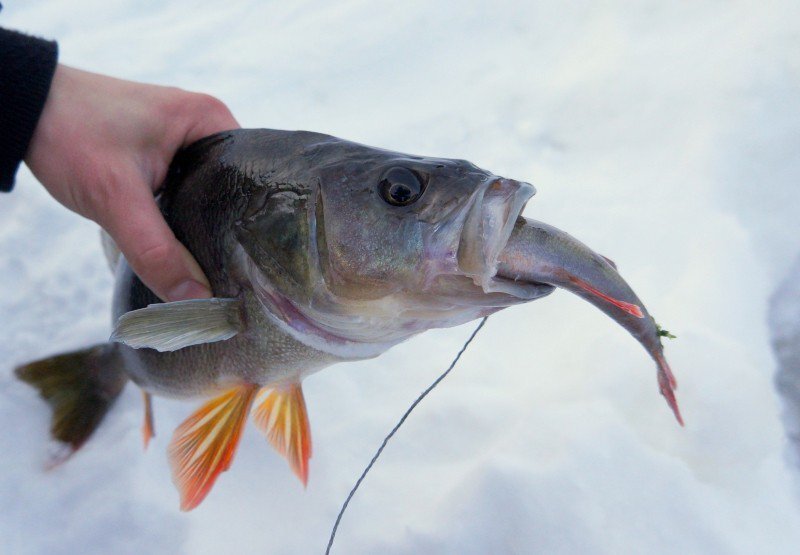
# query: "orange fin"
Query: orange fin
203,446
148,430
668,384
282,417
630,308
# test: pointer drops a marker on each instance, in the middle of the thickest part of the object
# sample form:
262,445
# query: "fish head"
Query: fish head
418,227
355,248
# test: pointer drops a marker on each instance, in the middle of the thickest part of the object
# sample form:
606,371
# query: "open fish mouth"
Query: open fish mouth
487,230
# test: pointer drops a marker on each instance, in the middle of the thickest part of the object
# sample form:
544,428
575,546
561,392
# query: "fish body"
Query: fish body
292,225
261,353
318,251
542,253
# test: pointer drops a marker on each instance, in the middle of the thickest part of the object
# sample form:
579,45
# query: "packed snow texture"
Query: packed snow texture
662,134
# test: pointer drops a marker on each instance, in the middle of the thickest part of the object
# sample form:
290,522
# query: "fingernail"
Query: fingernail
189,289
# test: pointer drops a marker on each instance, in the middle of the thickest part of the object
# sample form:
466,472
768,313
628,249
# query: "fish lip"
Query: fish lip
495,210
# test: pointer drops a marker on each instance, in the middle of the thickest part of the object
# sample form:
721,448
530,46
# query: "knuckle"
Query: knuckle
210,107
197,114
211,103
94,198
173,103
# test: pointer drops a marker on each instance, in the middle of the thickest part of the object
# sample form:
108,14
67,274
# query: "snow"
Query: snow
663,134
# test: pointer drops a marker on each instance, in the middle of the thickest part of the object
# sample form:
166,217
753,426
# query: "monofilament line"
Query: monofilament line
397,427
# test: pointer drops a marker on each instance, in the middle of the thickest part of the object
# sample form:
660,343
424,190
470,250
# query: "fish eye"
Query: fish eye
400,186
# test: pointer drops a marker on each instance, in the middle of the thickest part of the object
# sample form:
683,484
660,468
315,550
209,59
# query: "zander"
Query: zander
318,251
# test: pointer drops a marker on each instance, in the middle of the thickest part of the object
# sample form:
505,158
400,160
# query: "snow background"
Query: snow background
663,134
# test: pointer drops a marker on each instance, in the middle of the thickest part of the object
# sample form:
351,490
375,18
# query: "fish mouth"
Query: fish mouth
487,230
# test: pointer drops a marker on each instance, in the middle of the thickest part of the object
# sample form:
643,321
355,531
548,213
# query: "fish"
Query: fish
538,252
319,251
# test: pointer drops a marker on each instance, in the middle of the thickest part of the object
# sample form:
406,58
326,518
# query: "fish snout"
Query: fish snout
487,229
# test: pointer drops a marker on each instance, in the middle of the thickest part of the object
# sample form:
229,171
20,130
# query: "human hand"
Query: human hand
103,146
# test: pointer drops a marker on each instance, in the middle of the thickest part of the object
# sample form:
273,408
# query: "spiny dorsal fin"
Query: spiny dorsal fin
613,264
173,326
203,446
281,415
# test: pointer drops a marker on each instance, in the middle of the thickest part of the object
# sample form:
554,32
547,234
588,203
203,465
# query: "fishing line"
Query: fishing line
397,427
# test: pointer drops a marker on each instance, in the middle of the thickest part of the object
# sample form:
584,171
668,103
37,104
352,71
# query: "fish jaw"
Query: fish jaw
539,253
486,232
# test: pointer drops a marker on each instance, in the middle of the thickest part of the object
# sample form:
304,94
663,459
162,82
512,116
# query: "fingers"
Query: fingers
109,145
150,247
138,227
206,115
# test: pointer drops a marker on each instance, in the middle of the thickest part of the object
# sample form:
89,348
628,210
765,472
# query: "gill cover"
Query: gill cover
277,232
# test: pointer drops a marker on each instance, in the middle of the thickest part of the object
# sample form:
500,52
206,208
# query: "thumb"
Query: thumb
148,244
206,115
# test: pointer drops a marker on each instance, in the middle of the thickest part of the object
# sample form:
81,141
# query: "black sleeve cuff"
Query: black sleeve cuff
27,65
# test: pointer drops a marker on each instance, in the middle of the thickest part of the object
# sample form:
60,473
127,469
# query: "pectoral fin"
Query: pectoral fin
281,416
173,326
630,308
203,446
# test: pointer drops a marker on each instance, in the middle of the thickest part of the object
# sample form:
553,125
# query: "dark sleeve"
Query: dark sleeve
27,65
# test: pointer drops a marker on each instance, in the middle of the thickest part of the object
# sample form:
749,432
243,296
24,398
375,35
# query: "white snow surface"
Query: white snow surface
663,134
